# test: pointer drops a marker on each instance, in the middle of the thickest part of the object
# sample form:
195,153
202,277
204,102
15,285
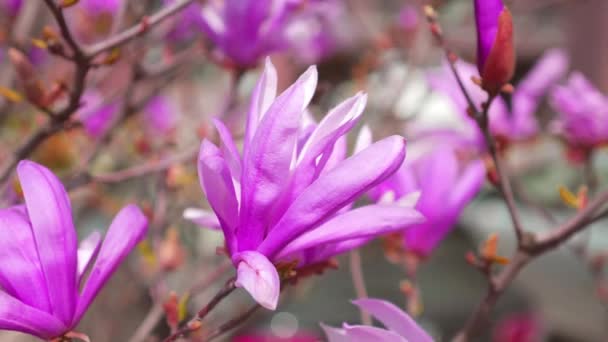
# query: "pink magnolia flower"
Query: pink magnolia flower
286,196
44,288
582,113
517,123
441,185
96,115
400,327
244,31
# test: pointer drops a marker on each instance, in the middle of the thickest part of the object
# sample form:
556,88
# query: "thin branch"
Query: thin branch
137,30
233,323
356,272
195,323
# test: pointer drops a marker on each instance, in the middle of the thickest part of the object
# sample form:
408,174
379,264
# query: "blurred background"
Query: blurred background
149,104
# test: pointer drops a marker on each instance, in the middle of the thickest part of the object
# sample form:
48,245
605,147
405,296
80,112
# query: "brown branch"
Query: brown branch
233,323
529,245
195,323
137,30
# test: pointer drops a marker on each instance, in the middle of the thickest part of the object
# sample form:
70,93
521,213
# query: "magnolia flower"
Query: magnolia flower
96,114
495,51
45,290
286,198
400,327
582,113
444,186
517,123
160,115
246,30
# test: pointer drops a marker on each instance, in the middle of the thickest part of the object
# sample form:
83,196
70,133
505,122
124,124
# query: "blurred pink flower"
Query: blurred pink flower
515,124
582,113
523,327
440,185
96,114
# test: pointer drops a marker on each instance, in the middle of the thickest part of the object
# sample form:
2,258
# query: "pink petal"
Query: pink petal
394,319
50,213
261,99
258,276
87,251
18,316
127,229
203,218
20,270
336,189
267,163
216,181
367,221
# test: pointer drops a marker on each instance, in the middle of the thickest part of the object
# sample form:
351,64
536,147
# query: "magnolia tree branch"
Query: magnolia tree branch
529,245
82,58
137,30
195,323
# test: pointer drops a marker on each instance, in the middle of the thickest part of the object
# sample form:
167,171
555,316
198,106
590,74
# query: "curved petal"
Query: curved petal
203,218
267,164
364,139
229,151
335,189
363,333
87,251
436,174
127,229
468,185
216,181
18,316
261,99
258,276
394,319
368,221
334,334
50,214
20,271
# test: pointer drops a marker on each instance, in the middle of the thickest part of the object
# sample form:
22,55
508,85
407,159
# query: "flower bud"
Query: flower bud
495,49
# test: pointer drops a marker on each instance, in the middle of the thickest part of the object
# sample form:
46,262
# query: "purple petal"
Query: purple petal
229,151
551,66
362,333
335,334
437,173
258,276
468,185
267,164
203,218
216,182
324,146
127,229
335,189
367,221
486,18
50,214
20,271
17,316
87,251
261,99
364,139
394,319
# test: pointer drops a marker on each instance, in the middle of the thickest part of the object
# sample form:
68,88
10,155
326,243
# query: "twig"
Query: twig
528,244
137,30
233,323
356,272
195,323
